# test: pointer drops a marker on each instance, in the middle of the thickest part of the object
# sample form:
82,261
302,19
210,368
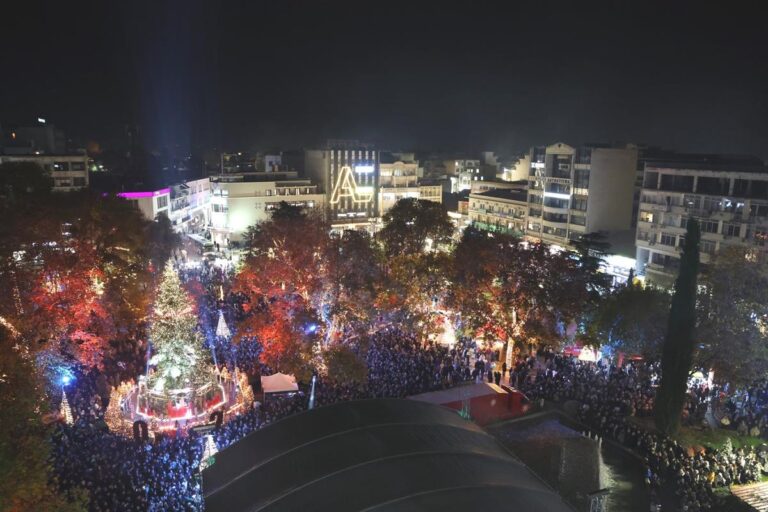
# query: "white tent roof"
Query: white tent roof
279,383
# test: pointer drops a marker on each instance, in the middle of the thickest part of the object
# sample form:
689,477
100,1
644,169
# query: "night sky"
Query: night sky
410,75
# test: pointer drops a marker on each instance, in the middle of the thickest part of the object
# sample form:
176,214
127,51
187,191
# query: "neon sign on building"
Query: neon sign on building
346,186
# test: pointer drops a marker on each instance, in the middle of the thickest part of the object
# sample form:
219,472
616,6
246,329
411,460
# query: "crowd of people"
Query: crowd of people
125,474
746,410
163,475
609,396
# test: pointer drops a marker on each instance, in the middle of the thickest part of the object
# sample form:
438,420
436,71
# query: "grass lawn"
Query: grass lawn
703,437
714,438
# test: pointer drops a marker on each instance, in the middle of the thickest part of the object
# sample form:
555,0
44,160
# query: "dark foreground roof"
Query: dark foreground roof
374,455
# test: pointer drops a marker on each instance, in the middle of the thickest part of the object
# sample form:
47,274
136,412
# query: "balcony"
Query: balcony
553,224
554,209
654,207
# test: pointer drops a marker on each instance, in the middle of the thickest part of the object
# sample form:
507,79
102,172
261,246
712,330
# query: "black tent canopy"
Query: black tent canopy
377,455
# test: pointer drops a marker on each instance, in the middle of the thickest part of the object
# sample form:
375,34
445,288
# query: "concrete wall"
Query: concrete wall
611,189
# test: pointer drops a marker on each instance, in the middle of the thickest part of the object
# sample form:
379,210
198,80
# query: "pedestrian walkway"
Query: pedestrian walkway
754,495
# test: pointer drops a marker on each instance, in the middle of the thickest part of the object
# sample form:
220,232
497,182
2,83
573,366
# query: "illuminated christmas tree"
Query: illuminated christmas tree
178,360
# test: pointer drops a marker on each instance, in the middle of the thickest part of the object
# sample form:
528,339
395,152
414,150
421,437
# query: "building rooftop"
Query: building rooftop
251,177
707,162
381,455
510,194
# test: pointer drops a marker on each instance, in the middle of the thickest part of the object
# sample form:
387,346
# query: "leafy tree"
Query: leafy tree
505,288
632,319
590,250
78,273
475,289
733,316
284,282
677,354
354,279
21,180
161,240
25,474
411,223
413,286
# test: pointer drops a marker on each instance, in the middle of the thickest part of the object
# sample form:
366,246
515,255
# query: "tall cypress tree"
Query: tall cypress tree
179,360
677,356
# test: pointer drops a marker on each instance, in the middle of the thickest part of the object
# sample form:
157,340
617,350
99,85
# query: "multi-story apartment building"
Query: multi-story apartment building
399,178
190,205
239,201
727,195
347,173
503,209
69,172
462,173
573,191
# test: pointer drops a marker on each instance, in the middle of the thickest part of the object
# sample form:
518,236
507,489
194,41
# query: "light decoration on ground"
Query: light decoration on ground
8,325
346,186
209,450
222,330
65,410
590,355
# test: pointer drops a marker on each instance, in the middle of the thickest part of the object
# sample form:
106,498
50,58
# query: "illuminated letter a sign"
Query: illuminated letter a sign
346,186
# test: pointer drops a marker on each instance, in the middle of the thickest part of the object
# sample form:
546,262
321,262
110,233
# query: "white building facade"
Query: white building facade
729,199
241,201
400,178
503,210
573,191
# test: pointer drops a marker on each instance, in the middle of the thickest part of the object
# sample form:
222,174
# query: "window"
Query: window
220,208
691,201
650,180
579,220
758,210
712,204
555,217
77,166
581,178
534,213
559,232
708,247
579,204
60,166
677,183
555,203
63,183
79,182
709,226
162,202
707,185
646,216
731,229
667,239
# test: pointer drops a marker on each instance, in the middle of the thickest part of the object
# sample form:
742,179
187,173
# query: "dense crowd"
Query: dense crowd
746,410
124,474
163,475
609,396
